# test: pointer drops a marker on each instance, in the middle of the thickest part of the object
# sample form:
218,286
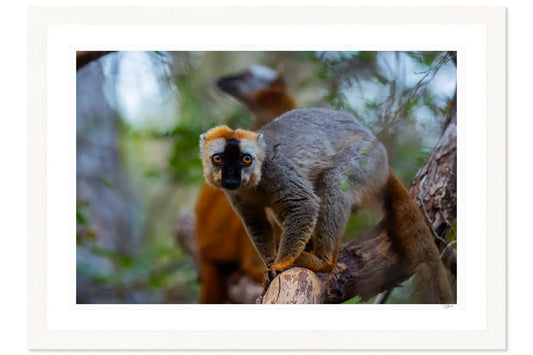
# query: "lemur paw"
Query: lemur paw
270,274
266,282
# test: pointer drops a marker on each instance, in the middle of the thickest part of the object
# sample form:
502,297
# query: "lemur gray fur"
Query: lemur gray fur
311,168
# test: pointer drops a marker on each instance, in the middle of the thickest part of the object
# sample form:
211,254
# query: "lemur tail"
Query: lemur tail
408,230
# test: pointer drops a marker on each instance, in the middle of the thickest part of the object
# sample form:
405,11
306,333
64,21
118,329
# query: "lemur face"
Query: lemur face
231,159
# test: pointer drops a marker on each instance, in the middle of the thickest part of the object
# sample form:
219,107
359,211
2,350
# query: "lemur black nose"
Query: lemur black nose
231,184
228,84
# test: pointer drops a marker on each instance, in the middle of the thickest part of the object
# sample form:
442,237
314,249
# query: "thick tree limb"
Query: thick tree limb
434,188
364,268
296,285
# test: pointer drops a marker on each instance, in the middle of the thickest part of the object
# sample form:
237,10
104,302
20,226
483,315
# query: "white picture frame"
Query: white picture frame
55,33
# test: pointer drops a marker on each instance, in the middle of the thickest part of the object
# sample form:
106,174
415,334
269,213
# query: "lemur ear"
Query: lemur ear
279,81
261,142
202,139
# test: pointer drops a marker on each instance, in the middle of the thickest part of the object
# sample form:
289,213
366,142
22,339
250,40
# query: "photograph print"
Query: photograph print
261,177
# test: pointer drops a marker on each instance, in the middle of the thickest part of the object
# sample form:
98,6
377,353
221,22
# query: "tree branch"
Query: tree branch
85,57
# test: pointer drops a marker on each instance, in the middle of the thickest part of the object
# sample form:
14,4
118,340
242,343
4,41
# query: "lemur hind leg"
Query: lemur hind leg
359,172
335,209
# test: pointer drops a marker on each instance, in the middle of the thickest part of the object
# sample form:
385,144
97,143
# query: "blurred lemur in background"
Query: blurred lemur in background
223,244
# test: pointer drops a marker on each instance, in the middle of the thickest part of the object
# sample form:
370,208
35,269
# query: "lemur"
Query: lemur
224,246
311,168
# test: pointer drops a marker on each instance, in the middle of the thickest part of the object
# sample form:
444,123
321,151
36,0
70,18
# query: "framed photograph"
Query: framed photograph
134,245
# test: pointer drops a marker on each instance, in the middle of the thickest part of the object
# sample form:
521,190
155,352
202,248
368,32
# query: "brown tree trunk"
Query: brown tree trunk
434,188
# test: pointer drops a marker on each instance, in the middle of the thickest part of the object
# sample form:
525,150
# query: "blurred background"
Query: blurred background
138,119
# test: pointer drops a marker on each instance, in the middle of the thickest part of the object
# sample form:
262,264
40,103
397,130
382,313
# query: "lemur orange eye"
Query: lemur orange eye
217,158
247,159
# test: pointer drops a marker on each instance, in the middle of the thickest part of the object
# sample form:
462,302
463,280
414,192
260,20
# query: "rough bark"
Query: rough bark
364,268
434,188
296,285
